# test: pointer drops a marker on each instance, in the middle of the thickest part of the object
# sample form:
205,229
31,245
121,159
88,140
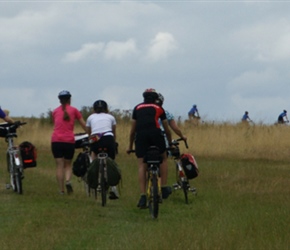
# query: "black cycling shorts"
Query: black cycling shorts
147,138
63,150
107,143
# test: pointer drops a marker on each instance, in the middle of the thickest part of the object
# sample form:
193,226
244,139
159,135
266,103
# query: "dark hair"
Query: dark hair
100,106
150,96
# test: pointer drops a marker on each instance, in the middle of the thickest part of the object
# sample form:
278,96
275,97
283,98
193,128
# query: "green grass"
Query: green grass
241,204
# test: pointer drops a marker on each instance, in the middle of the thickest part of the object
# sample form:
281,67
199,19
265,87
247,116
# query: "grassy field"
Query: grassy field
242,201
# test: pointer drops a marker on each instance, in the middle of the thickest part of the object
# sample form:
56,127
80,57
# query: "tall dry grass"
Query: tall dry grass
206,140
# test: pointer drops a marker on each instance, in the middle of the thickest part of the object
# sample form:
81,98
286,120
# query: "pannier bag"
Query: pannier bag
113,172
28,154
81,164
189,166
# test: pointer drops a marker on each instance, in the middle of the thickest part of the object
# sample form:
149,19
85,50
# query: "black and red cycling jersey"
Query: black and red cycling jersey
147,116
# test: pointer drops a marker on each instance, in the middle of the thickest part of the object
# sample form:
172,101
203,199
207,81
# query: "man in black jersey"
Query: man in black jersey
145,131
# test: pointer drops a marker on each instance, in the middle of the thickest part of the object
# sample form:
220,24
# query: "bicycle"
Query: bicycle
13,156
153,159
182,181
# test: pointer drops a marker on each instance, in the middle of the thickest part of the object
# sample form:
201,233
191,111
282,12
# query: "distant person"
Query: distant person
282,118
63,140
4,114
246,117
193,113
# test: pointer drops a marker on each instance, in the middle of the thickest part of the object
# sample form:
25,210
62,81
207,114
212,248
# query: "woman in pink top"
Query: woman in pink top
62,139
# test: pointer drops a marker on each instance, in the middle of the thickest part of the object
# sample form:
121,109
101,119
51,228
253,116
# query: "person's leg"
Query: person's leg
164,170
60,173
142,175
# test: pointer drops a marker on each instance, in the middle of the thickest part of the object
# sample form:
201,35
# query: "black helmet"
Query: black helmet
150,94
246,112
100,106
160,99
285,111
64,94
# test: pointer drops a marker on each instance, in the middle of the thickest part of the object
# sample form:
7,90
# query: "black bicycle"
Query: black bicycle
13,156
182,182
153,159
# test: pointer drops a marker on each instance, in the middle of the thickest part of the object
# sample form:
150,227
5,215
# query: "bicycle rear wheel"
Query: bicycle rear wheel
18,181
154,197
103,184
185,190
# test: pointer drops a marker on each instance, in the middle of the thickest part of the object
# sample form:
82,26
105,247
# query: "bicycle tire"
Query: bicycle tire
18,181
154,198
185,190
103,184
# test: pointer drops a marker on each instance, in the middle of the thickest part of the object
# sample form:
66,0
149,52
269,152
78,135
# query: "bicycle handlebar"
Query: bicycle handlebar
13,125
175,142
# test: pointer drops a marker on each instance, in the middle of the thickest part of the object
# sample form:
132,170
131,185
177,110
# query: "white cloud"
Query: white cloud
119,50
267,40
88,50
161,46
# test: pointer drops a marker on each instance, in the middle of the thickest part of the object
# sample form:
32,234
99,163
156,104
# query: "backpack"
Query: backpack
113,172
28,154
81,164
189,166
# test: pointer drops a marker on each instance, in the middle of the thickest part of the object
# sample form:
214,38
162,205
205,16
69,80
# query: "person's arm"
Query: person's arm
83,124
114,131
167,130
132,135
175,128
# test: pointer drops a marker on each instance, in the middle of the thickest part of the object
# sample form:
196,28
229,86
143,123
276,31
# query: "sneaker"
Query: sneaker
166,191
69,188
113,195
142,202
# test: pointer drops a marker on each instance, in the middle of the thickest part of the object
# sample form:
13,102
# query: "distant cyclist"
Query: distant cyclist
146,132
246,117
282,118
193,112
4,114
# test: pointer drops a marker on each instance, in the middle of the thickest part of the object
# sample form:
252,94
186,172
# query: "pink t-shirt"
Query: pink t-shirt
63,131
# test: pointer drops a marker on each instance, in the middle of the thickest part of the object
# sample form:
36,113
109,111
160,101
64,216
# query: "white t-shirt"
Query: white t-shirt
101,123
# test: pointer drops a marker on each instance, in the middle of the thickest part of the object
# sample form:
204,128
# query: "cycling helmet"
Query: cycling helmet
285,111
246,112
150,94
194,105
64,94
160,99
100,106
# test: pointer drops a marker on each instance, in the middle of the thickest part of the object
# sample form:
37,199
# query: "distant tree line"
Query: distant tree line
120,115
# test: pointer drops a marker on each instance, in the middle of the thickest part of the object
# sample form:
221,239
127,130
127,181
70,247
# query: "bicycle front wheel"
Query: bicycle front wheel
154,197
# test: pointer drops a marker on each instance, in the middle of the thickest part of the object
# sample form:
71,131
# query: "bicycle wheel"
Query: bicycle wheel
103,184
185,190
154,197
18,181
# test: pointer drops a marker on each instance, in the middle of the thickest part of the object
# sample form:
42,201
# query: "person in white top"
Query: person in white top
101,128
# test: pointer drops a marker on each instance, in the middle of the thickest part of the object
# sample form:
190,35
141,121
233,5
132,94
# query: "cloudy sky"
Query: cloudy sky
225,56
